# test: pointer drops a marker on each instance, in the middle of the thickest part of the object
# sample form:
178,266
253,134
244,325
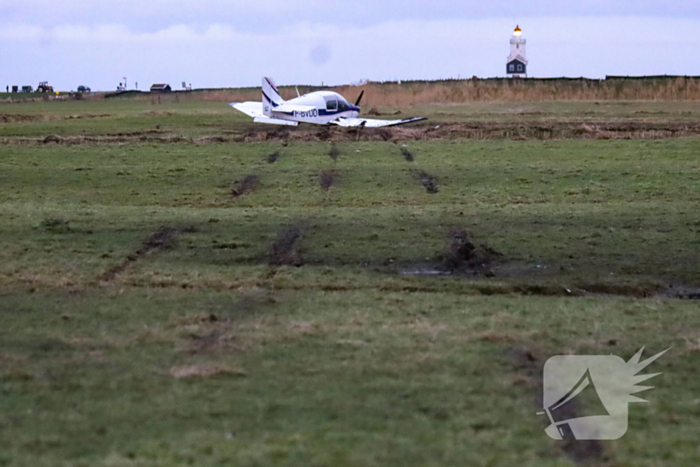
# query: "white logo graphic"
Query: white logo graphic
587,397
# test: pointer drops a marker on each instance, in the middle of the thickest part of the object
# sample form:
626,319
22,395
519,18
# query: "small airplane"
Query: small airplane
320,108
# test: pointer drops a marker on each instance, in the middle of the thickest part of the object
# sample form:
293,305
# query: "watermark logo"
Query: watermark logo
587,397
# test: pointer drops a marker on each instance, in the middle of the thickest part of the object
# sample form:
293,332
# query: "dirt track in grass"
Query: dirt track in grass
483,130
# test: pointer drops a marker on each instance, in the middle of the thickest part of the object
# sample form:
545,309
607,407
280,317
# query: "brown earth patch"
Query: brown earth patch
334,152
52,139
284,249
327,178
477,130
246,185
272,158
428,182
465,256
162,238
19,118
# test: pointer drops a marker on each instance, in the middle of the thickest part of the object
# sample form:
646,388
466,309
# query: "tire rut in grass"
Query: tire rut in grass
408,155
163,238
428,182
334,152
284,250
327,179
246,185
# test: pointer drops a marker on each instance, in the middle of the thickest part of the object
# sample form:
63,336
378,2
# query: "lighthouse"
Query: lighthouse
517,60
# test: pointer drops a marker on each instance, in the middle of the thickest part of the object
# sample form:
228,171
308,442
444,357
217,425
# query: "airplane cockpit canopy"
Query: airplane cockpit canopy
336,103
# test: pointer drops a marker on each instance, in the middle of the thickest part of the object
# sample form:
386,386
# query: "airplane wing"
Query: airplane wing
274,121
255,110
252,109
372,123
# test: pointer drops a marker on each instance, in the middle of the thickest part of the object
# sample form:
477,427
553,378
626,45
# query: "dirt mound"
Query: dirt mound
327,179
248,184
53,139
477,130
272,158
428,182
284,249
465,256
19,118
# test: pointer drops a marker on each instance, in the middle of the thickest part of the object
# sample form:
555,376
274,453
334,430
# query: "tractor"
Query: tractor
44,87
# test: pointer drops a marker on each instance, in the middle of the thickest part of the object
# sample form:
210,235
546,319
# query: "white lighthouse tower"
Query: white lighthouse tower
517,60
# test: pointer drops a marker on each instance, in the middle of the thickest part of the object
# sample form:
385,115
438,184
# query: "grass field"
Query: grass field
180,287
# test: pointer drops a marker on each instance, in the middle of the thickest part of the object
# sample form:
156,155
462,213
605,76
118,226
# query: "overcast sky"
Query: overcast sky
227,43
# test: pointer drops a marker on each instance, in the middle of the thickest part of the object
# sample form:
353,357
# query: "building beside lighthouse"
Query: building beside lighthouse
517,60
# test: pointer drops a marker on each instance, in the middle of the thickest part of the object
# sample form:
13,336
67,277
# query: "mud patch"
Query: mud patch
55,225
327,179
272,158
248,184
284,250
465,256
407,155
428,182
162,238
681,291
334,152
476,130
19,118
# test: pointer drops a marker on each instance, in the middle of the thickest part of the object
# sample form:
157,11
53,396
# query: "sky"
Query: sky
232,43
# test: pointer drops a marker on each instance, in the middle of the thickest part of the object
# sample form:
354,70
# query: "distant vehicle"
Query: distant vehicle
27,89
44,87
82,88
319,108
15,89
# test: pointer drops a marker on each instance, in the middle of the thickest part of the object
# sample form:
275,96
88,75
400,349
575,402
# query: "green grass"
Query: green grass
198,351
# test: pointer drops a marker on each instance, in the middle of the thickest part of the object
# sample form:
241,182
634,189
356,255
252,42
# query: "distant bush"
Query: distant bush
462,91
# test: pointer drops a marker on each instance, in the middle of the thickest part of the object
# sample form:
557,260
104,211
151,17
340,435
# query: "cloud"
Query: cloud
219,54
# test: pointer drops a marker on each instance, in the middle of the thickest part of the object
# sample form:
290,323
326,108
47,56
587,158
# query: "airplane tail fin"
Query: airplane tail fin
271,97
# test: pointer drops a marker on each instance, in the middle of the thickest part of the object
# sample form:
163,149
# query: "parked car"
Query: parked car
82,88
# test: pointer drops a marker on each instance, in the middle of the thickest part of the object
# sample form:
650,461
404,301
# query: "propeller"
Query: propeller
357,103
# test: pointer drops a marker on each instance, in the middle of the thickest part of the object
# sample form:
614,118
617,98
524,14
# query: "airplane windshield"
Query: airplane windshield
332,105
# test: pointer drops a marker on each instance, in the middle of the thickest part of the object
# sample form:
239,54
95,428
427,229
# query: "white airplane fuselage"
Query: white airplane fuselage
320,108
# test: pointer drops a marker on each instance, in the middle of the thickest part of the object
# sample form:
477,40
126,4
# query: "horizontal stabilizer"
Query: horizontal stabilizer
274,121
372,123
252,109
